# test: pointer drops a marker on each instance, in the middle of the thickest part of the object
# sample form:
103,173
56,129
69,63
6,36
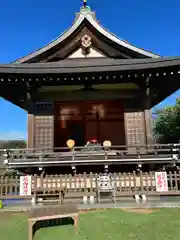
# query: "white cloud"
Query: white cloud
12,135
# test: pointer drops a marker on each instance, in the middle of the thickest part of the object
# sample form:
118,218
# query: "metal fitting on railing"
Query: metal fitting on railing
6,161
106,168
5,153
73,169
6,156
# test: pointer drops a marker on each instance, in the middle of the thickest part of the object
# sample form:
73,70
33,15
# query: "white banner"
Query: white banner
25,185
161,181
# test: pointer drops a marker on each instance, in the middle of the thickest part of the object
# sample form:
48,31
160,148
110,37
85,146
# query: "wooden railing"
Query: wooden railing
163,153
126,184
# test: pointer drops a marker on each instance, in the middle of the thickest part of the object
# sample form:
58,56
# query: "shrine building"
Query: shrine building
89,83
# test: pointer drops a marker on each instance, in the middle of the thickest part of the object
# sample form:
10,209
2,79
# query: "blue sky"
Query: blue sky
30,24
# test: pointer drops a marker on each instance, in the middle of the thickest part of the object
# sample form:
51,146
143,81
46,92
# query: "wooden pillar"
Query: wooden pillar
147,113
148,124
30,117
30,129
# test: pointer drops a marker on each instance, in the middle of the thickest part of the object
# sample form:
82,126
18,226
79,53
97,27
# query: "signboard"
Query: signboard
25,185
161,181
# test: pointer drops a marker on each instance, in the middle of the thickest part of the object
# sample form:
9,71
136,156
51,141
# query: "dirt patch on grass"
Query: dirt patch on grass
139,210
130,210
83,211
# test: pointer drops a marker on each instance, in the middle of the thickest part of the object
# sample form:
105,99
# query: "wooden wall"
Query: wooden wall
124,123
135,127
41,126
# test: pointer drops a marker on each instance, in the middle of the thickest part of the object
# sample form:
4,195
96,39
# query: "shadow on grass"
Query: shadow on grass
52,223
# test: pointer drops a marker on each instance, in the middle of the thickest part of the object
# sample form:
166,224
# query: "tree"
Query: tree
16,144
13,144
167,124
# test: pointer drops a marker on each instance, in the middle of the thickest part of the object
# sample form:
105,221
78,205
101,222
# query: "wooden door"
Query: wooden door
84,120
69,124
105,121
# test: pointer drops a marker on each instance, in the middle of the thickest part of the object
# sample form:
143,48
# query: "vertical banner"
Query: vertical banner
25,185
161,181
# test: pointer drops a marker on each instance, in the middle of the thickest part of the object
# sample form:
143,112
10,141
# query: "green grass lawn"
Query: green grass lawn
116,224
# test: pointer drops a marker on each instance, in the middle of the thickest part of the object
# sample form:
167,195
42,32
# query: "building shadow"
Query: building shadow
52,223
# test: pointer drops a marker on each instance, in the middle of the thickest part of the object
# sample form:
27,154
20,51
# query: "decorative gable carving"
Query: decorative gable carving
86,43
92,53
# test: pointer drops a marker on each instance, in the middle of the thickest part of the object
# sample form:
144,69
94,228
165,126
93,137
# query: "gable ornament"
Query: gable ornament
86,43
